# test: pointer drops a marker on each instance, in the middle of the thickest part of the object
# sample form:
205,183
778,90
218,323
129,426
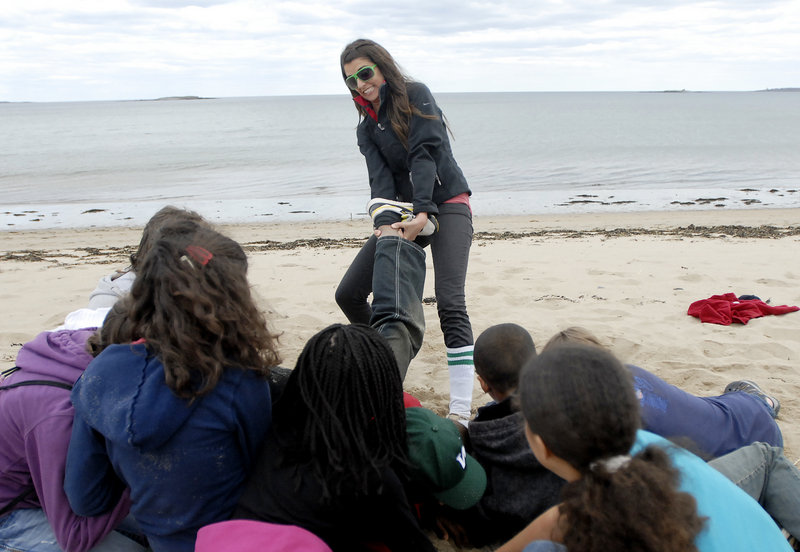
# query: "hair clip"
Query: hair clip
199,254
611,464
187,260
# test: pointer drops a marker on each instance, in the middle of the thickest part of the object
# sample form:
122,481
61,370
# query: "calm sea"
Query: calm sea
293,158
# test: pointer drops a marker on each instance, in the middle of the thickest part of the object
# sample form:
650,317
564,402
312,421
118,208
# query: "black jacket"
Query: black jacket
425,174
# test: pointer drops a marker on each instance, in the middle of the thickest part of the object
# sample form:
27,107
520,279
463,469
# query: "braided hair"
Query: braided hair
342,410
580,401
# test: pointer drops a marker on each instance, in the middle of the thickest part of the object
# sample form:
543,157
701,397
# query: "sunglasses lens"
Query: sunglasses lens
365,74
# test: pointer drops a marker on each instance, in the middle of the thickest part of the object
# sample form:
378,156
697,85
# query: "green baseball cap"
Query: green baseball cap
439,461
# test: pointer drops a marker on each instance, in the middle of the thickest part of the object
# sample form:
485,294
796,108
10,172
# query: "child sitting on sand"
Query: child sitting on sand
335,459
37,413
627,488
178,401
711,426
519,487
113,286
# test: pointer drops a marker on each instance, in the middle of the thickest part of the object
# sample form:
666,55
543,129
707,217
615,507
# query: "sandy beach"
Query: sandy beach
629,278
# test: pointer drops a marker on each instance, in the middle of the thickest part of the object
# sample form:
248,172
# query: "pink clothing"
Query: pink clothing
461,198
246,535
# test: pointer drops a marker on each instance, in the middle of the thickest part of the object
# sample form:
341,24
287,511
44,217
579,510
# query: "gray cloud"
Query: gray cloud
172,4
146,48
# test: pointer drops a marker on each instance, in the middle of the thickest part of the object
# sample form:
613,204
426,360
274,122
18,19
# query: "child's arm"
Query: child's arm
544,527
46,452
90,483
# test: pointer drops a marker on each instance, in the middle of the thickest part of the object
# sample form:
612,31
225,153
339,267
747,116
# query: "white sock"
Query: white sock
462,380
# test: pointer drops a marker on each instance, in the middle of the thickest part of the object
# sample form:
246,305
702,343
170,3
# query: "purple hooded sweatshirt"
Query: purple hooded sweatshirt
35,434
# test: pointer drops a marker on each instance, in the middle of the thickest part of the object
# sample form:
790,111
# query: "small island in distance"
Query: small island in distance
684,91
171,98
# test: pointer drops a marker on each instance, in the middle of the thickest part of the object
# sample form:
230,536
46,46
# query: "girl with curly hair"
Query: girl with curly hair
178,400
627,489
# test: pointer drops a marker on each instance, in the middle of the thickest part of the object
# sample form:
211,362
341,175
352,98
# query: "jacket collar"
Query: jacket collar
359,99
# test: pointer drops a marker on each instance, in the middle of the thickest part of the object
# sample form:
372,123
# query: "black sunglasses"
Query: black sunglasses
363,74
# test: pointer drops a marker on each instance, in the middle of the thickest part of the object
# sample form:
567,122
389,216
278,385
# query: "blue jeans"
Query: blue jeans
450,252
763,472
397,284
27,530
545,546
713,425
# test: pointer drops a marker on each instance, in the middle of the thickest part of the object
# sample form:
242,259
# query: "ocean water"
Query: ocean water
294,158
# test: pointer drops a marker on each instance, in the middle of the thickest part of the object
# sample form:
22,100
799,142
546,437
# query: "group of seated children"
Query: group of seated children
181,432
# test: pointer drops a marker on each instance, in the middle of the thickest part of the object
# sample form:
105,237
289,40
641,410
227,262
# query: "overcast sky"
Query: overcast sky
67,50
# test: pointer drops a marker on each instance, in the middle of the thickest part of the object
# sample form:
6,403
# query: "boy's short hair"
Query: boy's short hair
501,352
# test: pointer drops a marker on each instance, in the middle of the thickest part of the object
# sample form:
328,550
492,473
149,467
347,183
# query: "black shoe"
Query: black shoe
752,388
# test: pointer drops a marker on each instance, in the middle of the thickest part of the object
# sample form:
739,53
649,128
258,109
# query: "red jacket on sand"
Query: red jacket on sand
727,308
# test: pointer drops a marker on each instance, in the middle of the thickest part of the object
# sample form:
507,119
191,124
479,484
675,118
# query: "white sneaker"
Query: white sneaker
405,210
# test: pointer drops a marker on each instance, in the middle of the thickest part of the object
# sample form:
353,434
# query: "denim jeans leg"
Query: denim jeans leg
356,285
545,546
763,472
27,530
397,285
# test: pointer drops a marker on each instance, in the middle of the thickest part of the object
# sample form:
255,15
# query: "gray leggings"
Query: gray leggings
450,254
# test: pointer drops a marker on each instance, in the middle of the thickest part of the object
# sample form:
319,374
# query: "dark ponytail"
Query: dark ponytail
580,401
634,507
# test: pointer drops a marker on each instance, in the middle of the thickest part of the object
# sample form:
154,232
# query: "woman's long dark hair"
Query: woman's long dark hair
580,400
400,109
192,304
342,410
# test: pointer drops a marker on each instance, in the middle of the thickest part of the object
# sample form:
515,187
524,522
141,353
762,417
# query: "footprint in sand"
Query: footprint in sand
488,291
775,283
691,277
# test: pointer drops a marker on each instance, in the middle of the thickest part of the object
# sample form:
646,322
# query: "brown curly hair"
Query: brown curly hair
165,215
580,401
192,304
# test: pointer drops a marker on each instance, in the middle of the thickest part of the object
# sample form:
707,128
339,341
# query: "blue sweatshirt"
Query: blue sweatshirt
184,461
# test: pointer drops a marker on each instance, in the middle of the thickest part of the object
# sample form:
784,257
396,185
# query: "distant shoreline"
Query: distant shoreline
666,91
172,98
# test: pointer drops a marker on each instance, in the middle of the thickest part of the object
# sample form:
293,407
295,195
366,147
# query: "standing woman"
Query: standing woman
403,136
